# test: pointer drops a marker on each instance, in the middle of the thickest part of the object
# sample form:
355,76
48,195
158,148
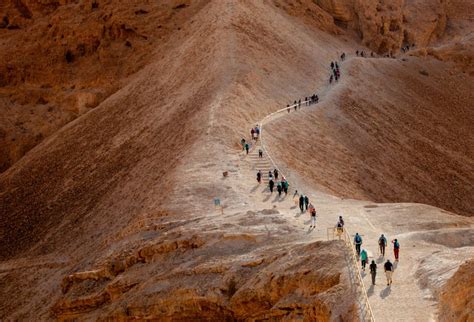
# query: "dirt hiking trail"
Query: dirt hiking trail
404,300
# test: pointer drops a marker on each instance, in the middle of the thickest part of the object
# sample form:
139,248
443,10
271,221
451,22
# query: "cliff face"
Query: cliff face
457,296
386,26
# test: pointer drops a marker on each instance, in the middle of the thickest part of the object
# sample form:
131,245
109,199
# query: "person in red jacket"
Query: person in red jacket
396,248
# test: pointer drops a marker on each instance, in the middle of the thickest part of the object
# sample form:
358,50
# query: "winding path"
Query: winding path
267,162
420,271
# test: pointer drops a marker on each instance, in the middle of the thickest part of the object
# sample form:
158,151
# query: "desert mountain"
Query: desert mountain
119,118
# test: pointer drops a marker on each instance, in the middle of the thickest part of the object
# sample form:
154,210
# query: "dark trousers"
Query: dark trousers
358,249
382,250
373,277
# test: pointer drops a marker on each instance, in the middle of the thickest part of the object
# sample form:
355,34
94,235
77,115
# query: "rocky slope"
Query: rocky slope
456,299
59,59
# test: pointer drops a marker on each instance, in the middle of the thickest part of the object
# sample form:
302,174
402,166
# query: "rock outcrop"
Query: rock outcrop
311,286
457,297
386,26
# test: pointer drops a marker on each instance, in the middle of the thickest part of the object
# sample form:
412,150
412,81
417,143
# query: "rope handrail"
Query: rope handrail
355,262
261,132
367,308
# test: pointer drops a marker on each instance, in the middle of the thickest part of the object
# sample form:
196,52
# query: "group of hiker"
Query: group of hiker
335,72
313,99
254,135
255,132
406,48
282,185
363,255
245,145
305,206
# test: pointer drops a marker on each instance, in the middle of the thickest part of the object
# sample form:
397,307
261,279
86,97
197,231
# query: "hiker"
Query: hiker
357,53
279,188
382,244
247,147
313,216
257,130
316,98
306,101
301,203
271,184
295,105
285,186
299,102
330,79
242,142
357,242
259,176
373,271
255,136
296,198
363,258
339,229
306,202
371,54
275,173
361,54
288,107
332,65
294,195
388,267
343,56
337,66
260,153
341,221
252,132
270,175
396,248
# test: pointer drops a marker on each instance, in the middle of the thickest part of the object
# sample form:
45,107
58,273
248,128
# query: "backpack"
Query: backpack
396,245
358,239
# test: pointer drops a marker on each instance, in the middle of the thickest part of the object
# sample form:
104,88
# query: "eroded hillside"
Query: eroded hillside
60,59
